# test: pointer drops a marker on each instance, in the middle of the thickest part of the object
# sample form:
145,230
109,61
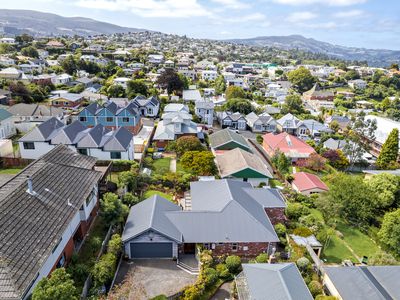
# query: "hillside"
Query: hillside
374,57
13,21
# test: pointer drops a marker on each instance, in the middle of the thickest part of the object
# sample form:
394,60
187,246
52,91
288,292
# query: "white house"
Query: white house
148,107
209,75
205,111
62,79
122,81
357,84
9,41
7,127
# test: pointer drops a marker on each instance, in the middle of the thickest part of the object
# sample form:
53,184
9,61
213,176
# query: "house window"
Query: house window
150,111
82,151
234,246
109,119
82,119
66,103
55,102
29,145
125,120
61,261
115,155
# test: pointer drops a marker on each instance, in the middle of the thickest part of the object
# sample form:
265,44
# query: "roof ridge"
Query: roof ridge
284,283
153,209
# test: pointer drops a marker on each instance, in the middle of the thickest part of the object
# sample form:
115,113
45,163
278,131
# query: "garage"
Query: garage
151,250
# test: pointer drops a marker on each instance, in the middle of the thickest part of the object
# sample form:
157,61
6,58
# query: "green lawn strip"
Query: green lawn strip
358,241
179,167
11,171
317,214
161,165
150,193
275,183
335,251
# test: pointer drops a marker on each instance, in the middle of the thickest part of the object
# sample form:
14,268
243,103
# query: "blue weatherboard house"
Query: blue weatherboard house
111,115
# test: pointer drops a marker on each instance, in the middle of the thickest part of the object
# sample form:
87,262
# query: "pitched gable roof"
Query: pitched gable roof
119,141
291,145
225,136
43,132
306,181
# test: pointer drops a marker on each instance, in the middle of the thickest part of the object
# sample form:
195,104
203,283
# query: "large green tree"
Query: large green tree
386,187
234,92
171,81
187,143
220,85
239,105
59,286
136,87
112,209
293,105
30,51
389,234
302,79
199,163
387,158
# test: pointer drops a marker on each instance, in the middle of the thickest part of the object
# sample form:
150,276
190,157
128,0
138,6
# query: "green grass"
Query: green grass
275,183
161,165
179,167
11,171
336,251
358,241
150,193
317,214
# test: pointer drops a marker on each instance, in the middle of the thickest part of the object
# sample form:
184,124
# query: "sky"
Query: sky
360,23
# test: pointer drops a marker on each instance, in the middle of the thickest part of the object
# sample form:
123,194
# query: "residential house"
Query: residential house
357,84
191,95
5,97
262,123
243,165
176,122
317,97
112,116
342,121
315,129
7,40
290,145
205,111
122,81
292,125
333,144
98,141
148,107
54,45
6,61
7,127
209,75
232,120
13,74
28,116
383,128
155,59
62,79
362,282
67,100
281,281
227,139
157,228
46,212
307,184
188,73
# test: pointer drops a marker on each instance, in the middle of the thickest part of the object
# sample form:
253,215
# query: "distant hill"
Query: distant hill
374,57
15,21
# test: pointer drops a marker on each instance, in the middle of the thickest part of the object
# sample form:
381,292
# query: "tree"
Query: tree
233,263
127,179
171,81
113,210
293,104
30,51
58,286
129,199
281,162
302,79
351,75
115,91
336,159
115,244
234,92
387,158
187,143
220,85
314,162
69,65
386,187
21,92
382,259
240,105
104,270
394,66
199,163
136,87
389,234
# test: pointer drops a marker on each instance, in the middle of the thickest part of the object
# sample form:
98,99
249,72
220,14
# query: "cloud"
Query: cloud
150,8
234,4
301,16
323,25
245,18
349,14
326,2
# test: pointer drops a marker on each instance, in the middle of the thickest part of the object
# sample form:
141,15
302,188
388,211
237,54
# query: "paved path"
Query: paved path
224,292
172,165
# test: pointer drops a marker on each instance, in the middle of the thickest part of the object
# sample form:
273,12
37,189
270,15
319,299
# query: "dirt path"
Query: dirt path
172,165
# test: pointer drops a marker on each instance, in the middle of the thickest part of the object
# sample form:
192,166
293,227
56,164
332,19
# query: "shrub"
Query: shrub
280,229
206,258
295,210
259,138
159,297
311,222
303,263
302,231
262,258
223,271
233,263
115,244
193,292
129,199
315,288
103,271
323,297
209,276
382,259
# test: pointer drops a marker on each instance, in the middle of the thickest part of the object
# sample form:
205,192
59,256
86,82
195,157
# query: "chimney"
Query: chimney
30,187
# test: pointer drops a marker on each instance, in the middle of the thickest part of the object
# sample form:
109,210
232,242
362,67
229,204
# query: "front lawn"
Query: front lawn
150,193
161,165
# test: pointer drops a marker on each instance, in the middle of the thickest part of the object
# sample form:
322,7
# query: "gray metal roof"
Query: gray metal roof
4,114
272,281
225,136
150,214
94,137
372,282
43,132
32,225
119,141
289,121
68,134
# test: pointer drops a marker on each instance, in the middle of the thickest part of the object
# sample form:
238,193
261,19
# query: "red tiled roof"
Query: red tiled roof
306,181
287,143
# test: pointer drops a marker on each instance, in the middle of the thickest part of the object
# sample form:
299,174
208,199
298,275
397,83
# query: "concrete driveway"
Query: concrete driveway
151,277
